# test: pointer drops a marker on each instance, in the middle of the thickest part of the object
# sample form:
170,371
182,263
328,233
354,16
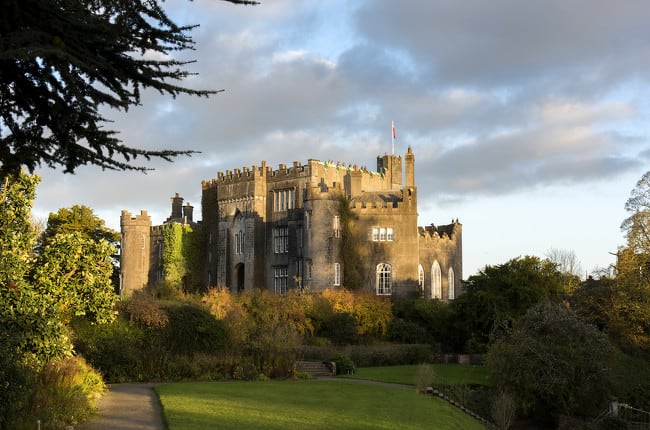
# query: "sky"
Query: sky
528,120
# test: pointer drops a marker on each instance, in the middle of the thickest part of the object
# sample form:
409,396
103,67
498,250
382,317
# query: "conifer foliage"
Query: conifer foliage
63,60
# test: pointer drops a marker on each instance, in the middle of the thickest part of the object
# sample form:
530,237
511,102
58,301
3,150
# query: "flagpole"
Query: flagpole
392,134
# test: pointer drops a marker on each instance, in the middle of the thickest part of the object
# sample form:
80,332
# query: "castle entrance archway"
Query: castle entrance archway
239,277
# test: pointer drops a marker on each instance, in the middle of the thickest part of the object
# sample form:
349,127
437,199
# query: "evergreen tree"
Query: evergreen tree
62,60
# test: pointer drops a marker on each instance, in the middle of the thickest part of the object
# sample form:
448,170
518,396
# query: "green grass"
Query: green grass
445,373
314,405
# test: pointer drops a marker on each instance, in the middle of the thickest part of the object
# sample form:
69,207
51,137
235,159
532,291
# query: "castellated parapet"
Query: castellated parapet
282,228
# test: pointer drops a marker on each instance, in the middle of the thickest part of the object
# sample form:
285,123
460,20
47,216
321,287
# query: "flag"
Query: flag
394,131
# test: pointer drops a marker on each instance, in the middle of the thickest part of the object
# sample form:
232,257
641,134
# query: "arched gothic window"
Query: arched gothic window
451,281
421,280
384,279
436,281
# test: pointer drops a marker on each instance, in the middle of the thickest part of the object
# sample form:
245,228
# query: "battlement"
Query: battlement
143,219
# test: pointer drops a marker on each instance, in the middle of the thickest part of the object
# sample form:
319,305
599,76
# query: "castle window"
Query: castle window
421,280
383,234
299,239
384,279
281,240
309,269
280,279
436,281
336,226
298,277
143,241
239,242
451,279
284,200
337,274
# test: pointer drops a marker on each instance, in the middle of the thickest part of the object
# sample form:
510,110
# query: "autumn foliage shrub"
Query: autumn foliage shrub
64,393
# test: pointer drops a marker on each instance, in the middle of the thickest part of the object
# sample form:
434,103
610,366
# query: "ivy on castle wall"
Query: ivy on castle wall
180,255
352,274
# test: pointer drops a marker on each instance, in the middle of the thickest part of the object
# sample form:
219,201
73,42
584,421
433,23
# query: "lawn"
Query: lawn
445,373
316,405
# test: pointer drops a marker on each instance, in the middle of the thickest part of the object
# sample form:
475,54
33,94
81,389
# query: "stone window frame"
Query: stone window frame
337,274
384,279
383,234
281,240
436,281
336,226
239,242
280,279
451,278
284,200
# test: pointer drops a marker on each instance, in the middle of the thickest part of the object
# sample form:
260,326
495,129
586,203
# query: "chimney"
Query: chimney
177,207
188,211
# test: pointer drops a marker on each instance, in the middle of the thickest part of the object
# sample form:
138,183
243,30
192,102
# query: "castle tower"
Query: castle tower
135,252
391,165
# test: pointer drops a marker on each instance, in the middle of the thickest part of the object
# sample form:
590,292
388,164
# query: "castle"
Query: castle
317,225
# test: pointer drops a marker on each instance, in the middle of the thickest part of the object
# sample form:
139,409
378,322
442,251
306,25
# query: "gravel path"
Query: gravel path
127,407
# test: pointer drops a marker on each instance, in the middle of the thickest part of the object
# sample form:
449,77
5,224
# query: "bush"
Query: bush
504,409
390,354
340,328
65,393
344,365
15,381
192,329
403,331
426,377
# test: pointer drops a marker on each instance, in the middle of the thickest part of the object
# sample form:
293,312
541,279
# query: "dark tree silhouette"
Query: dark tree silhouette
61,60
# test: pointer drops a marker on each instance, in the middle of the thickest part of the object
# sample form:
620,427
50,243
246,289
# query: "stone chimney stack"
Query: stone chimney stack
188,211
177,207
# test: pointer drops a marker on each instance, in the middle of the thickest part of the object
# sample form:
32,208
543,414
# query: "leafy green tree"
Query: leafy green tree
82,219
630,297
31,318
553,362
17,234
62,61
75,271
499,294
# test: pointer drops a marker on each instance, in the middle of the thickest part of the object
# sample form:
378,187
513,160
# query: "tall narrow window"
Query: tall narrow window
436,281
337,274
299,280
280,279
281,240
375,234
382,234
336,227
284,200
143,242
309,269
384,279
451,281
299,239
421,280
390,236
239,242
